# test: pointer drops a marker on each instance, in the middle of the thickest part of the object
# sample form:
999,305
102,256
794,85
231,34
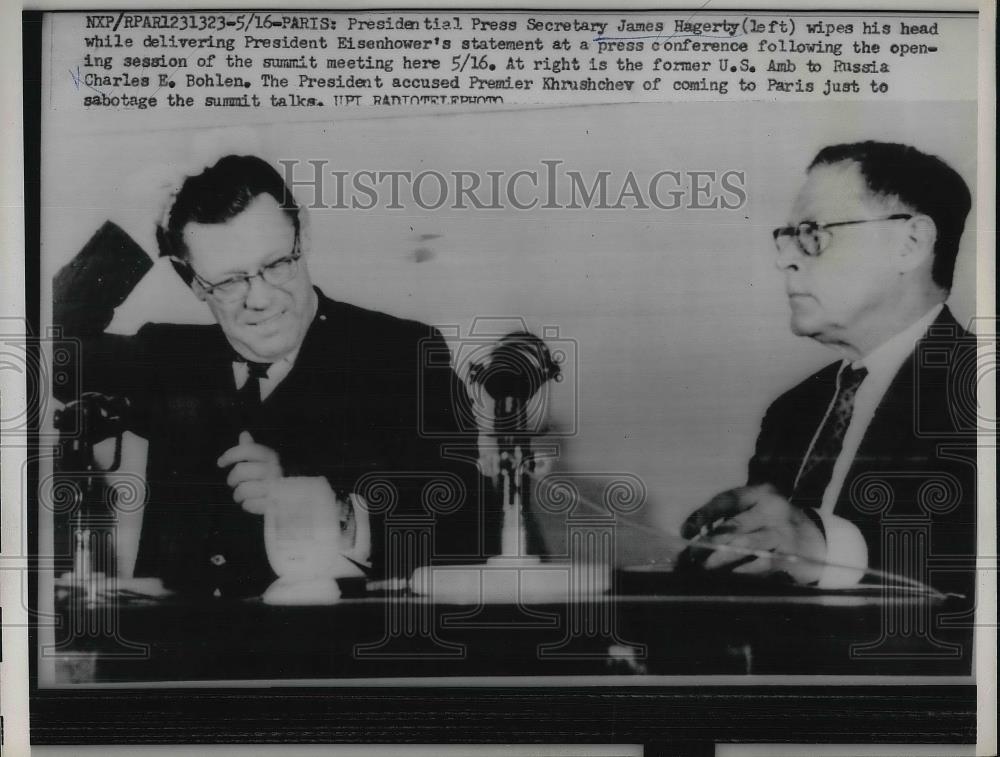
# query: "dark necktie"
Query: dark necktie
249,393
817,468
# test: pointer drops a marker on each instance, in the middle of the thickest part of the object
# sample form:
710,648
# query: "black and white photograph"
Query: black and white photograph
475,375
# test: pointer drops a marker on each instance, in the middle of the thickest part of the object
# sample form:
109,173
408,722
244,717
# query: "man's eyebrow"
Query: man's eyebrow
272,258
231,273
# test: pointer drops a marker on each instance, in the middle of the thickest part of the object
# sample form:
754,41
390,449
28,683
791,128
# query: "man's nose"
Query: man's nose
789,258
259,294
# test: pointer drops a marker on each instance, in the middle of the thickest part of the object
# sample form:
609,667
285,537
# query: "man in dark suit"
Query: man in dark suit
290,396
869,464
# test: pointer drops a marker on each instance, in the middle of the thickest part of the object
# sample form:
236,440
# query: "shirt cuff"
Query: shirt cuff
846,550
361,549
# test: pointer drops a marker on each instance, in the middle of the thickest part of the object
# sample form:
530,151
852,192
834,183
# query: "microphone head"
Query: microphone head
518,367
98,416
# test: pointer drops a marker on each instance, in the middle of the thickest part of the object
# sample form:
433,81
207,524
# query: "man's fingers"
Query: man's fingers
764,562
740,530
752,553
250,490
723,558
745,522
233,455
258,505
743,509
723,505
770,559
247,452
720,506
760,565
731,549
693,556
249,472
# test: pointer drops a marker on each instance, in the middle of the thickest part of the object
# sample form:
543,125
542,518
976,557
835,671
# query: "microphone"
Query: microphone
518,367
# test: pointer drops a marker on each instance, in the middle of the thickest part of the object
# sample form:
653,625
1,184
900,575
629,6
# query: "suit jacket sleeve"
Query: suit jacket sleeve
419,471
86,292
765,467
110,364
465,528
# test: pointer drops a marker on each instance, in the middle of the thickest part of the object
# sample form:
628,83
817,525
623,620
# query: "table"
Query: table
401,637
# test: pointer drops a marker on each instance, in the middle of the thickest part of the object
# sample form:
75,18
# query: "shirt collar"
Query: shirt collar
288,360
884,361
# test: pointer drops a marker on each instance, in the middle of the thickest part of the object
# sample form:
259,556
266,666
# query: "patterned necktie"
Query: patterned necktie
817,468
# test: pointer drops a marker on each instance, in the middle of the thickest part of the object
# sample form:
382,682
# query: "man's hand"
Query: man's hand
755,518
254,468
259,485
310,532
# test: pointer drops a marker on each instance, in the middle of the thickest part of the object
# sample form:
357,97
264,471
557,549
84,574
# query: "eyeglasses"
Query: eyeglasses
812,238
236,288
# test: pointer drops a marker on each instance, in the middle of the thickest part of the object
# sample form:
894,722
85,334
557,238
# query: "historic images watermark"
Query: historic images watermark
549,185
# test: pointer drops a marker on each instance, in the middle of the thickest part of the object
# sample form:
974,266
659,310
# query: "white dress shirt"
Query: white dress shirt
276,373
846,550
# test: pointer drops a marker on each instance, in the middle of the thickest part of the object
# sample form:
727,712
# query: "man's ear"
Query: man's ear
918,245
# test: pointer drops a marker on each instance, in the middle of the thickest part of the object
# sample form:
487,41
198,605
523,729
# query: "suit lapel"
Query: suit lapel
809,411
323,357
891,426
893,435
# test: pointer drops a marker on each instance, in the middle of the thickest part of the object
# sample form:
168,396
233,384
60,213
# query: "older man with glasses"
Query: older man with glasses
290,394
883,439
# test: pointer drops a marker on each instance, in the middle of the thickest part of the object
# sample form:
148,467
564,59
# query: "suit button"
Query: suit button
218,560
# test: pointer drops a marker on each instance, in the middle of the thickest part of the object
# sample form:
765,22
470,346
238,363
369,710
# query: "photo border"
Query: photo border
665,718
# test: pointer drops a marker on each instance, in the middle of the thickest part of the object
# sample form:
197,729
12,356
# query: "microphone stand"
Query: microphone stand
92,520
517,463
519,365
